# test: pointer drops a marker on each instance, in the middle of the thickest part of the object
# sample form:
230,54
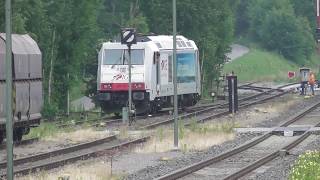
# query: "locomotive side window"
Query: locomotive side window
120,57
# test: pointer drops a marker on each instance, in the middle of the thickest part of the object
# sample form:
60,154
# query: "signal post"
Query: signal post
128,37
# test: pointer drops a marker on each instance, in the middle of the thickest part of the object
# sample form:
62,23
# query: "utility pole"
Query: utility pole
9,123
175,87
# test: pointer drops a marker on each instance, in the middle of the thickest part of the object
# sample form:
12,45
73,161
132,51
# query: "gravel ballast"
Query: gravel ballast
163,168
280,168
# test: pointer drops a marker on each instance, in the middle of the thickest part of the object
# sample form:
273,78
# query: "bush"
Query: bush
49,111
307,167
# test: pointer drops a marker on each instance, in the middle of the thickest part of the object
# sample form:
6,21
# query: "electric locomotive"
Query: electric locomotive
152,74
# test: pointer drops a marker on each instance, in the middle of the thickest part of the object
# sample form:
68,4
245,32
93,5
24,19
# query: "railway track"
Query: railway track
111,120
202,115
242,160
102,146
60,157
221,109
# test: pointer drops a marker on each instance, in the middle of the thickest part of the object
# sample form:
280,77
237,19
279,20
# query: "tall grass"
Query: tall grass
44,130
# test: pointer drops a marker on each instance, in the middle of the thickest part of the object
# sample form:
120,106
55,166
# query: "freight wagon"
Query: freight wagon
152,74
27,85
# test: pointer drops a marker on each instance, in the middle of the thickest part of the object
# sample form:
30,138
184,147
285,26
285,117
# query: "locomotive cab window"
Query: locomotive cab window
113,57
121,57
137,56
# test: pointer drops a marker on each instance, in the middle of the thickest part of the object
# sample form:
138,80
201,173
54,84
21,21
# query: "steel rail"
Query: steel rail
224,113
51,163
258,87
109,120
54,163
153,125
46,155
252,89
255,165
215,106
202,164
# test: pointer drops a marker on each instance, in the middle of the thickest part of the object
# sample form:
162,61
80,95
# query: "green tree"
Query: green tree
305,9
117,14
75,24
209,23
70,32
242,24
275,26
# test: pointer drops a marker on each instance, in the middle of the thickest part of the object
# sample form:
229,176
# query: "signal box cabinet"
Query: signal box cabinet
304,74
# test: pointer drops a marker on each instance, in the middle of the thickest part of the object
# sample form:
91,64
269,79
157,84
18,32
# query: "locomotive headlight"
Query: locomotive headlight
138,86
135,86
106,86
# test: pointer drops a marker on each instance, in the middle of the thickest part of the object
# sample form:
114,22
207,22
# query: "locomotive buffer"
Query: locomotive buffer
128,37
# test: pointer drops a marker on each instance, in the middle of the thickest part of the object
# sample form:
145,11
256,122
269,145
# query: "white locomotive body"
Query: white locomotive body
152,74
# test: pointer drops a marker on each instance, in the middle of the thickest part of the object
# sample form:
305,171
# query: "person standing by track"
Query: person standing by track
312,80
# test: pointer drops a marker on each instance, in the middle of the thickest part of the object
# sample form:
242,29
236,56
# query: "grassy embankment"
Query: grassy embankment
259,65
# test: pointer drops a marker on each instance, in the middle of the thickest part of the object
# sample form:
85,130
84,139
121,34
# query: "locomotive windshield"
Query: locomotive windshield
121,57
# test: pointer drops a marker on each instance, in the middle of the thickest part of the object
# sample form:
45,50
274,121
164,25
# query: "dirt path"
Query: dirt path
237,51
